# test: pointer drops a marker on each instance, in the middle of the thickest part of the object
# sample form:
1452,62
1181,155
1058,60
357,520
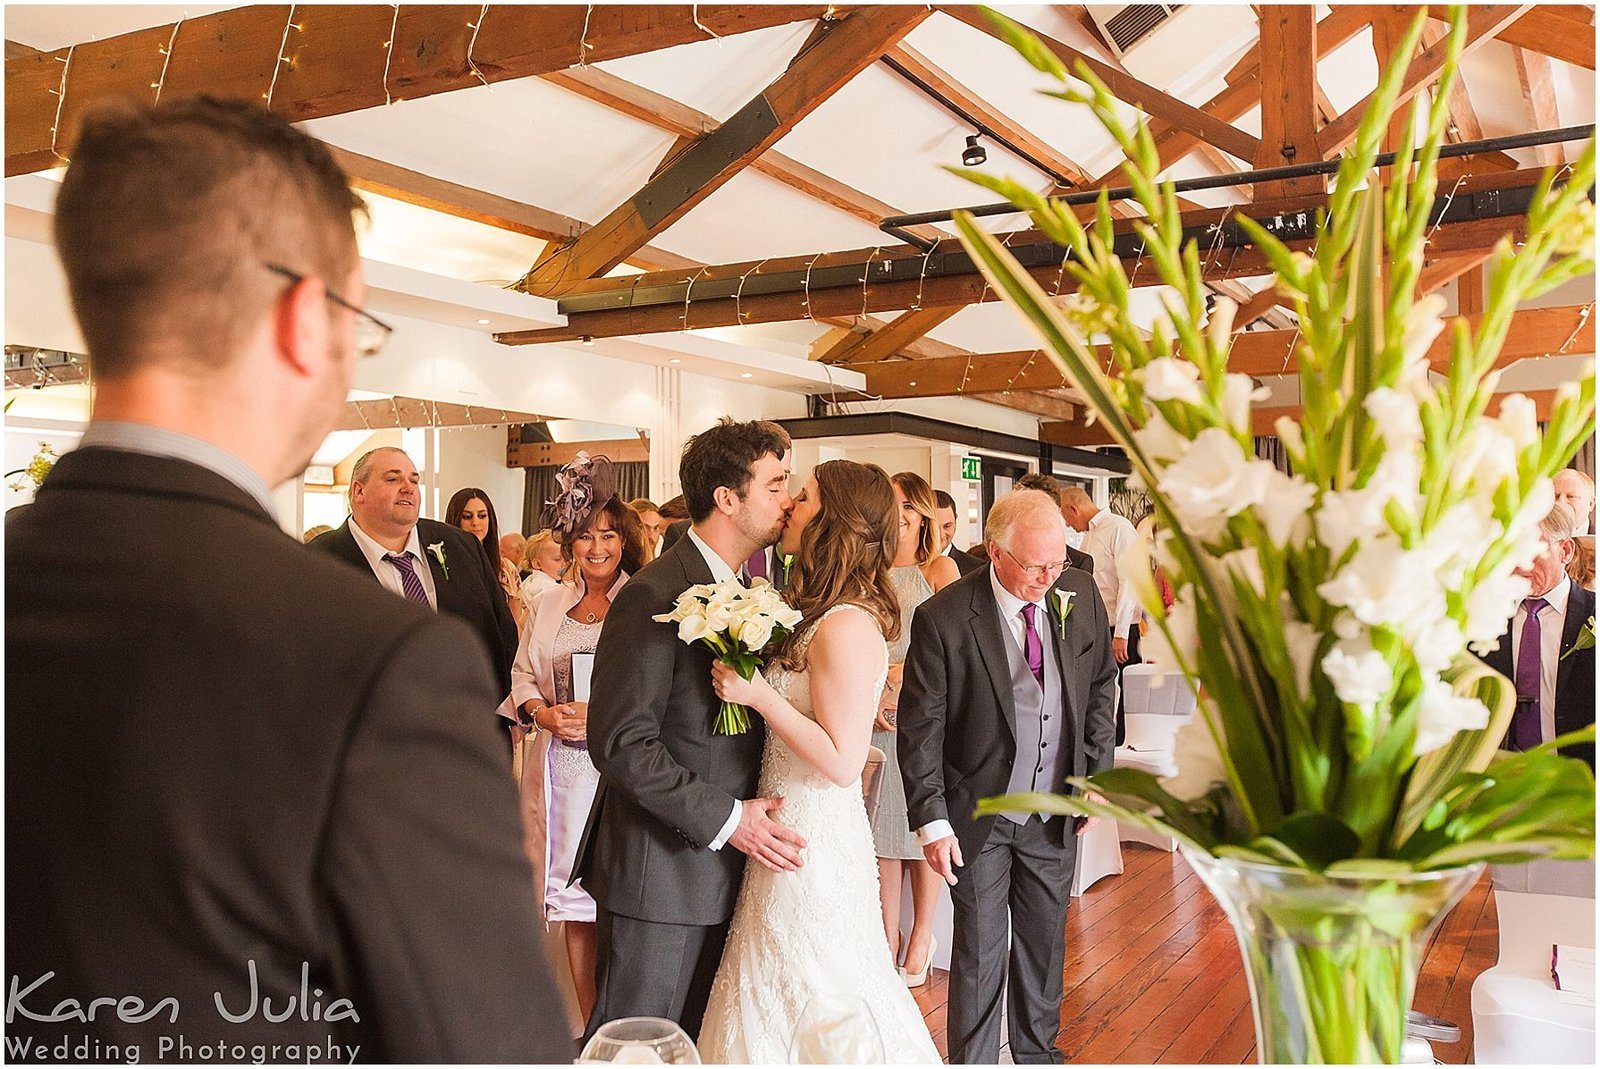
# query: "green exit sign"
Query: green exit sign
971,468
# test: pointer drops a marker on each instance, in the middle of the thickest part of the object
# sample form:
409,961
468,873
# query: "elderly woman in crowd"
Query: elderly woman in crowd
603,543
471,510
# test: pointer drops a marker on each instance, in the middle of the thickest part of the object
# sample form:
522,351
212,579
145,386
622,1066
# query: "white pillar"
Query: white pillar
666,437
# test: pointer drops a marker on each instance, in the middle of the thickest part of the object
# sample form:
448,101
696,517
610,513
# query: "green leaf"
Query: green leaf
1318,839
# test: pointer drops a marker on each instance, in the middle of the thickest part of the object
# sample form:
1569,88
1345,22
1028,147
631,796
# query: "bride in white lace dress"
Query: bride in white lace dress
818,930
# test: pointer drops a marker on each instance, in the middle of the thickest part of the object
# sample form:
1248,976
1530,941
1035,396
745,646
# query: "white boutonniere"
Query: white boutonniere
437,550
1063,610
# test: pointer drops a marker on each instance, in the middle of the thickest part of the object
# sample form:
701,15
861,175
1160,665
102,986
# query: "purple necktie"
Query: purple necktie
1032,648
409,580
1525,729
756,566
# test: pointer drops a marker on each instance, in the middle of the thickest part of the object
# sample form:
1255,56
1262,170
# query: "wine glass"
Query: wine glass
836,1030
641,1041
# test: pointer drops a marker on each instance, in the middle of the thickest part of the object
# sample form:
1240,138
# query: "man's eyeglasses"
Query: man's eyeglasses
1036,571
371,332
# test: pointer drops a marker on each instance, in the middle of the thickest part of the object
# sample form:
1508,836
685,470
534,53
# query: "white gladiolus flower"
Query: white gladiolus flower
1245,565
1436,642
1167,379
1385,585
1238,391
1519,421
1159,441
1198,759
1349,516
1213,481
1396,416
1359,674
1219,324
1442,712
1286,509
1301,640
1491,604
1423,323
1456,542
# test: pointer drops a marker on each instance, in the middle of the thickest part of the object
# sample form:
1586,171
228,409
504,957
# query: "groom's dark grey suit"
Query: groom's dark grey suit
667,788
973,725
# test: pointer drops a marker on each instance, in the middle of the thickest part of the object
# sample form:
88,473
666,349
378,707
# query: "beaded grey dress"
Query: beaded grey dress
892,835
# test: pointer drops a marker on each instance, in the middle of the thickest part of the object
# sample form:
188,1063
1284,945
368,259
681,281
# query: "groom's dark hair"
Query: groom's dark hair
725,455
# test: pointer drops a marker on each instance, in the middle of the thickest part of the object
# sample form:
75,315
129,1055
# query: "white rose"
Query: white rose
1198,758
1396,415
1442,713
755,632
1213,481
1168,379
1359,674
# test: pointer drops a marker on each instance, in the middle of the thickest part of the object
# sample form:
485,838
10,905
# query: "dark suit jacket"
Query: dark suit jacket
472,591
966,563
1574,674
957,736
667,784
1080,560
221,749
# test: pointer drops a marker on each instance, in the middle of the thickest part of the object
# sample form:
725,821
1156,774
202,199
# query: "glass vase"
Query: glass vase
1331,960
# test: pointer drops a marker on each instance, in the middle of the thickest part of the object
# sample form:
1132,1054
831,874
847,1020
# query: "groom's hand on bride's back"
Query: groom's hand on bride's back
764,839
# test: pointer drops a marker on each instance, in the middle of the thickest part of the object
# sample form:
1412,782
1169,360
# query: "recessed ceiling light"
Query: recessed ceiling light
675,360
913,382
483,322
745,375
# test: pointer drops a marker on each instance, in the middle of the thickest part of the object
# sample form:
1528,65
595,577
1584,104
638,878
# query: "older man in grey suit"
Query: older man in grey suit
1008,687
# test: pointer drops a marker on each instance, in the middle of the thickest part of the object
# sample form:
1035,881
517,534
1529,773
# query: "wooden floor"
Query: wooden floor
1153,973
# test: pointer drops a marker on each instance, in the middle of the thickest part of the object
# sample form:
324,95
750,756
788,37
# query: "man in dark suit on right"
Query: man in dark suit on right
1554,681
674,797
1007,688
238,775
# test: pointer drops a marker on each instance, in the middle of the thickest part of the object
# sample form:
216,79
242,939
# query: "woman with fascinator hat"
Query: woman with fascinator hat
602,543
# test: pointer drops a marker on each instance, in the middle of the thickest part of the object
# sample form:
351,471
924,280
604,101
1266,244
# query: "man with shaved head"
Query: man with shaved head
1575,490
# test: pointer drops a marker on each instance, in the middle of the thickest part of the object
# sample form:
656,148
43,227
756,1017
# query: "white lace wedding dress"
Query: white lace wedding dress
817,930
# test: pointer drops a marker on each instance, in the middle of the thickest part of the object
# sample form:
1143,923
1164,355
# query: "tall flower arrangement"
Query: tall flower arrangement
1342,723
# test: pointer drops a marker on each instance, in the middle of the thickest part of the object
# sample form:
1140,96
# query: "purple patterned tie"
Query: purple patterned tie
756,566
1525,729
1032,648
408,577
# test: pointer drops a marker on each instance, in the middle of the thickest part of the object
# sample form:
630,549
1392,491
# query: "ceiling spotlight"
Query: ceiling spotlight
483,322
675,360
974,154
746,375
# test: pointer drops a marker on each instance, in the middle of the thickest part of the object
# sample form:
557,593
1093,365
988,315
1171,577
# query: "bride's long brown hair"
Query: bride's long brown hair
845,552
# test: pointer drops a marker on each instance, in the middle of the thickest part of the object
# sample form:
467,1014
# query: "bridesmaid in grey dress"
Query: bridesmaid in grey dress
920,569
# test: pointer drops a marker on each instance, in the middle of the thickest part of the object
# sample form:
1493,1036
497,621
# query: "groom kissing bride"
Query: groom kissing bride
682,920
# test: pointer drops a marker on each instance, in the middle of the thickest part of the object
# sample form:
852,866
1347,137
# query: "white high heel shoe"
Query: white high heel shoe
917,979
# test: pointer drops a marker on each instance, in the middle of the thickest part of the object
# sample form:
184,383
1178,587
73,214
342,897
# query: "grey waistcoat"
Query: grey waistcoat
1040,762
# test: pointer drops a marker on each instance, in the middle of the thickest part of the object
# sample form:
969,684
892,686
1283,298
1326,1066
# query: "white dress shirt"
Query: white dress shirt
1011,612
387,573
720,570
1552,621
1108,535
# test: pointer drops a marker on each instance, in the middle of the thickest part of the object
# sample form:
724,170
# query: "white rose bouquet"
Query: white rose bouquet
736,623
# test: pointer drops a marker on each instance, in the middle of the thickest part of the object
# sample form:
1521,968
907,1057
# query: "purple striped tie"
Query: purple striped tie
1526,731
408,577
1032,648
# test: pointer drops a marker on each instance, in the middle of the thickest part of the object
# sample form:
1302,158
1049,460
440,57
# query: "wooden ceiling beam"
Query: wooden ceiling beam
1560,31
1482,25
413,187
1533,74
1534,333
1037,404
1443,271
923,348
340,58
994,118
892,338
1464,124
1289,96
1130,90
606,89
851,45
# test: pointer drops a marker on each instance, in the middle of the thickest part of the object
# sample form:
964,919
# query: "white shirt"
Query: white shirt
1011,612
719,572
387,573
1108,535
1552,621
